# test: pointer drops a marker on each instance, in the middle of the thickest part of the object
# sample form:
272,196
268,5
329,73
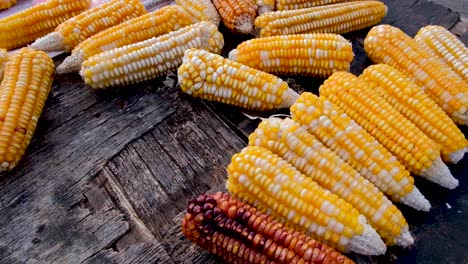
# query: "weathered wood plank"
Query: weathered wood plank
139,253
50,181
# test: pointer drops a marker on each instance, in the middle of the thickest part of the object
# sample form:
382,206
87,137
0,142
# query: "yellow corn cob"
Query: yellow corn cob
237,15
78,28
308,54
212,77
3,60
25,26
440,42
337,18
418,153
271,184
357,147
403,94
389,45
298,4
23,92
5,4
148,59
265,6
153,24
201,10
290,141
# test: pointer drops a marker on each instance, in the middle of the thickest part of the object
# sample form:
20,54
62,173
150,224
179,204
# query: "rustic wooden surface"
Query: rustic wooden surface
108,173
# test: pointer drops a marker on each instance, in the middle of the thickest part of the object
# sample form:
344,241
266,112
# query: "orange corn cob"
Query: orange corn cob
239,233
389,45
212,77
237,15
357,147
290,141
441,43
307,54
298,4
268,182
418,153
3,61
153,24
5,4
337,18
23,92
408,98
79,28
25,26
201,10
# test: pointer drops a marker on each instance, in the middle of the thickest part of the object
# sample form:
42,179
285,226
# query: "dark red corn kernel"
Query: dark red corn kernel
239,233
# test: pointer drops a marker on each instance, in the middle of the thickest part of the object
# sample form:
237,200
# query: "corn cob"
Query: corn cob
3,61
25,26
271,184
403,94
293,143
212,77
440,42
78,28
239,233
418,153
23,92
308,54
237,15
357,147
389,45
337,18
153,24
5,4
201,10
265,6
151,58
299,4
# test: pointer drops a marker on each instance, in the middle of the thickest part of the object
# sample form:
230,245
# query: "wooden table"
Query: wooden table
108,173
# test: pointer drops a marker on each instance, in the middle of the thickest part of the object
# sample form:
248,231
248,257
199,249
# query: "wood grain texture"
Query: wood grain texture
108,174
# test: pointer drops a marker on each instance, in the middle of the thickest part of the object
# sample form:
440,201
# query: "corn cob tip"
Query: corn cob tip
368,243
245,24
233,54
50,42
456,156
439,173
416,200
405,239
71,63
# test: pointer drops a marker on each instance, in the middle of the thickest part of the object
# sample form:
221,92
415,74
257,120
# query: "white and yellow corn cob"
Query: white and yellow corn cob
25,26
357,147
79,28
151,58
441,43
271,184
303,54
290,141
337,18
265,6
5,4
408,98
212,77
153,24
237,15
417,152
299,4
389,45
201,10
3,61
23,92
